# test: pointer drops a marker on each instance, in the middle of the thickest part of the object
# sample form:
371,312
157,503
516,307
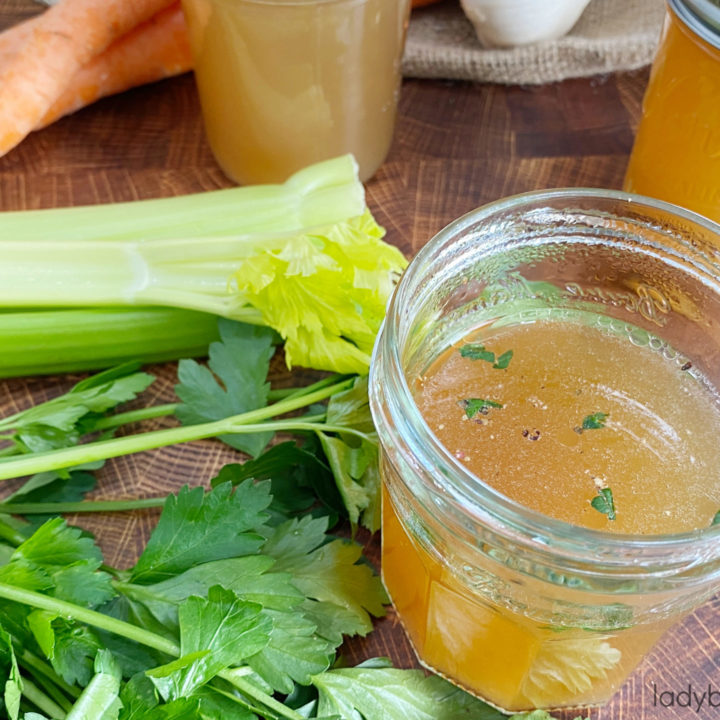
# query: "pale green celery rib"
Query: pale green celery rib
43,342
44,273
321,194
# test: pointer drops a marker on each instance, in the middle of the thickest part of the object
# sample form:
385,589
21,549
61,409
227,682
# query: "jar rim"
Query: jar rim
468,490
701,16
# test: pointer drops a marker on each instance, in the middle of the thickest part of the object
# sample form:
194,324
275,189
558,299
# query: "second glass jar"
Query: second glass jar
286,83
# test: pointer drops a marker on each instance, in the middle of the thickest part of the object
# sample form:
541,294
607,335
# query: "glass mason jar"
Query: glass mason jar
676,155
287,83
519,608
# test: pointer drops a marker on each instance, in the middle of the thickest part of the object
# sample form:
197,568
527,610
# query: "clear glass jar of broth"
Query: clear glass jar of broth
286,83
545,393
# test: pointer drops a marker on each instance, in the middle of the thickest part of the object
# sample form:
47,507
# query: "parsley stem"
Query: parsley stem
90,617
10,450
84,506
132,416
156,411
132,632
251,691
319,385
290,425
49,689
38,698
116,447
40,667
9,533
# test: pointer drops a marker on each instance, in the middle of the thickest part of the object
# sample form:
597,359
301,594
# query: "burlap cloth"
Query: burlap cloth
611,35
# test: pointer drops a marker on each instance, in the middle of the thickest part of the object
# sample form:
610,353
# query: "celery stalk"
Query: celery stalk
54,341
318,195
323,286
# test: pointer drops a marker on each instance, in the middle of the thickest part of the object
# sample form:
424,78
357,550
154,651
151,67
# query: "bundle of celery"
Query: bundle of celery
305,258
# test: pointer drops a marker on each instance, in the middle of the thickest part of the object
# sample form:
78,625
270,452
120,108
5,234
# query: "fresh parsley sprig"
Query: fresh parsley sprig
231,399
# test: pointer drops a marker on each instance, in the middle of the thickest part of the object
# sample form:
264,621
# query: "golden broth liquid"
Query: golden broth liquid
656,450
286,83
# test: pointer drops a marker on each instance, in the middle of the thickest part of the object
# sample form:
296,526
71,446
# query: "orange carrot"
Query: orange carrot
52,49
155,49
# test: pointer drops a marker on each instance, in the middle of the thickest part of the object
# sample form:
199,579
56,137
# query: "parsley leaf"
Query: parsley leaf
64,563
596,421
196,527
716,519
215,632
72,650
99,700
61,422
476,351
298,477
294,653
233,382
603,502
68,485
387,693
10,680
354,460
247,576
328,573
473,406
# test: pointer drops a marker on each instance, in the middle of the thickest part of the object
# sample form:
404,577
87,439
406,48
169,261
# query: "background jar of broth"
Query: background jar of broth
518,607
287,83
676,155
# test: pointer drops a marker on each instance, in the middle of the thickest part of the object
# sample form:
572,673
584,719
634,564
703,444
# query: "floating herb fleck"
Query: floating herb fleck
716,519
603,502
594,421
476,351
473,406
504,360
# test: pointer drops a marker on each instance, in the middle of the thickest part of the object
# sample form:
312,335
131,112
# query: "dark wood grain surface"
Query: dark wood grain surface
457,145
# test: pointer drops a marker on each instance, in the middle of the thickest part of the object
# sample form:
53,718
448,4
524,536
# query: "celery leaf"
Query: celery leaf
325,292
197,527
214,706
234,382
